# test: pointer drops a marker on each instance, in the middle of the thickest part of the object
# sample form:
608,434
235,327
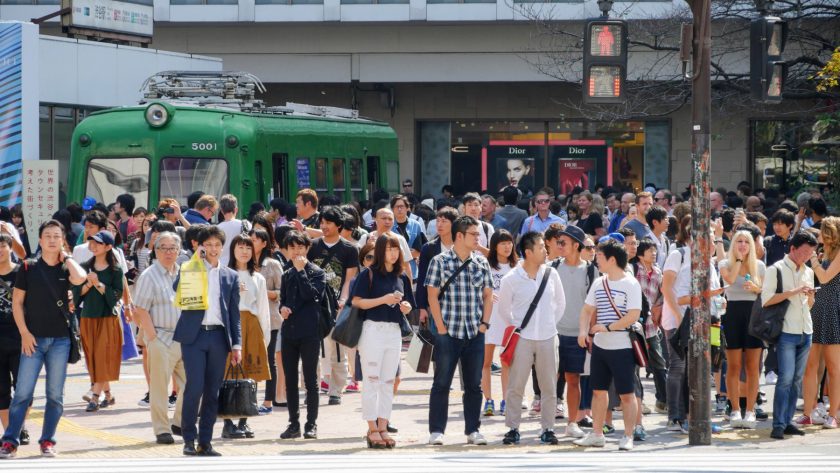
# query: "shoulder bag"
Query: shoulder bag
348,325
237,396
637,340
452,278
512,334
72,326
766,322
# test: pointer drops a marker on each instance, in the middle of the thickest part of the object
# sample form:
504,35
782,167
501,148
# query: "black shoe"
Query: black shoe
279,404
793,430
165,439
310,431
176,430
760,414
189,449
246,429
549,438
291,432
511,438
391,429
24,436
207,451
585,422
334,400
230,431
108,401
778,433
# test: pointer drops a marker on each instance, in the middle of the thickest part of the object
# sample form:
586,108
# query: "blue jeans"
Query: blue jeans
52,352
448,352
792,354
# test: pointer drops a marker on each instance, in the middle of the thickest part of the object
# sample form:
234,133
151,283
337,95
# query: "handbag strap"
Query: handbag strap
238,372
452,278
610,298
59,302
537,297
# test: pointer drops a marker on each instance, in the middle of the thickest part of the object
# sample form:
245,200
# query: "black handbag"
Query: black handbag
348,327
238,396
766,322
72,325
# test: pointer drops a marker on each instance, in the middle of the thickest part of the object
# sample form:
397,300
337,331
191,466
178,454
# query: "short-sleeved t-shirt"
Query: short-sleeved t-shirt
679,261
371,288
574,287
41,313
627,295
9,333
345,256
591,223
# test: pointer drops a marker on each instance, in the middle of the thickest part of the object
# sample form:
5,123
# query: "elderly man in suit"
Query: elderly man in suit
206,337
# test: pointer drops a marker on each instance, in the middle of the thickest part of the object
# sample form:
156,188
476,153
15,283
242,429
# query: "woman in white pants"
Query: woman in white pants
384,293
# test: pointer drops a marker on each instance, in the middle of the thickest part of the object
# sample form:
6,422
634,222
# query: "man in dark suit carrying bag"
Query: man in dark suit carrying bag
206,337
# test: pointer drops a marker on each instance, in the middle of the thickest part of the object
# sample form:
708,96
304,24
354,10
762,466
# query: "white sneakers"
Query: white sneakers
735,420
593,440
475,438
436,438
817,417
574,430
626,443
771,378
560,412
749,420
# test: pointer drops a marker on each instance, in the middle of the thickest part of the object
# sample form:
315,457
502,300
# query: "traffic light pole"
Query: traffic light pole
699,357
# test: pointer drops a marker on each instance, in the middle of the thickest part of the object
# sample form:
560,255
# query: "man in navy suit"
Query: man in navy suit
206,337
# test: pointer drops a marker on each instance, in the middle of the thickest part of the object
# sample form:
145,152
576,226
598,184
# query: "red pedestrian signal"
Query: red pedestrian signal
604,61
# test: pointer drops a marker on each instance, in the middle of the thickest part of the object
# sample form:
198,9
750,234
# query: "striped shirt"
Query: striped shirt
462,306
153,292
627,295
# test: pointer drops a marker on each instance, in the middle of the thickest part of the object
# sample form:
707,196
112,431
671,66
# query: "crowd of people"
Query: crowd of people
569,290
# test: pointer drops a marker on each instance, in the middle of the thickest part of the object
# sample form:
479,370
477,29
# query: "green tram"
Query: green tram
205,132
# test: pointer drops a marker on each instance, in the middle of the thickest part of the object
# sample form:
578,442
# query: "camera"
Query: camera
162,211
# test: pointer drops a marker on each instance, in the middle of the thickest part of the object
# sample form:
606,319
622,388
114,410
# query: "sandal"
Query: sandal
375,443
108,400
389,442
93,404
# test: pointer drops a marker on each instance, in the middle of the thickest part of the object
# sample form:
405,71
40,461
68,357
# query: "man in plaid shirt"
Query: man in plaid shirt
650,278
460,317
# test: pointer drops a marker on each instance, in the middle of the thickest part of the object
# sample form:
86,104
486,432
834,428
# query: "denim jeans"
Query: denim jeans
676,391
792,355
52,352
448,352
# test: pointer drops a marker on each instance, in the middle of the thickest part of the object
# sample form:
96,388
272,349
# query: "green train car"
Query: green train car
205,132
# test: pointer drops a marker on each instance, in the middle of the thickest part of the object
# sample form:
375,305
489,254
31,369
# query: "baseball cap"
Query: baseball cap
612,236
575,233
88,203
103,237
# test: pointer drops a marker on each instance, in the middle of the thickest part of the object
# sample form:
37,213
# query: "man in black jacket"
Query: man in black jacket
445,218
301,291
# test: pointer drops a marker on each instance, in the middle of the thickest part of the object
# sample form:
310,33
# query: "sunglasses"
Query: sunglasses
543,201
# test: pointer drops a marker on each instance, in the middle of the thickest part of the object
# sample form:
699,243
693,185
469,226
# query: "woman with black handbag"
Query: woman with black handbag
386,301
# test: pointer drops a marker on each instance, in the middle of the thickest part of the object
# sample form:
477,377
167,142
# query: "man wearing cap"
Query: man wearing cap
577,275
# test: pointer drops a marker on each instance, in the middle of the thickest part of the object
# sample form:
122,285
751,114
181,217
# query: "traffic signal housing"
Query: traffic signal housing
767,69
604,61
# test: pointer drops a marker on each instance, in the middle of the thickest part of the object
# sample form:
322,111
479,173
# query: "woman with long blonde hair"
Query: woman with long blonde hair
743,274
825,315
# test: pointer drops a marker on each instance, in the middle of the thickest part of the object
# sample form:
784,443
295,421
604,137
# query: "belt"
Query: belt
210,328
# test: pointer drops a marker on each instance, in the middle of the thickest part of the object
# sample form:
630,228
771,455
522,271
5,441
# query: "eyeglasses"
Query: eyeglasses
368,257
589,247
543,201
168,249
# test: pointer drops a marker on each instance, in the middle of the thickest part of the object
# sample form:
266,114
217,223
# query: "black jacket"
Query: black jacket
301,291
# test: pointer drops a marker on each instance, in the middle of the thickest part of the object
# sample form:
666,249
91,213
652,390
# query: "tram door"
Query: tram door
373,175
280,175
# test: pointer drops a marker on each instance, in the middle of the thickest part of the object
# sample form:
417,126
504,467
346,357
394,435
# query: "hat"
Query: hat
650,189
103,237
612,236
575,233
88,203
407,182
430,203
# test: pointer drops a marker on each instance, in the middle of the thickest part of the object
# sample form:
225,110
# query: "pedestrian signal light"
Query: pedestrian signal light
604,61
767,69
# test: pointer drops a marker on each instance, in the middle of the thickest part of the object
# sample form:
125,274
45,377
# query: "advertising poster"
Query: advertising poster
583,164
303,172
576,172
514,165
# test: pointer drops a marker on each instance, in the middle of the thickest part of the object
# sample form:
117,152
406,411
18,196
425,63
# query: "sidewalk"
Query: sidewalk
124,430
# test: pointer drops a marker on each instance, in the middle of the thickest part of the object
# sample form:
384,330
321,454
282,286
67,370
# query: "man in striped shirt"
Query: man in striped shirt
156,314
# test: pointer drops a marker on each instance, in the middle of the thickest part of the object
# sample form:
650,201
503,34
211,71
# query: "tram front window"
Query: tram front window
180,177
109,177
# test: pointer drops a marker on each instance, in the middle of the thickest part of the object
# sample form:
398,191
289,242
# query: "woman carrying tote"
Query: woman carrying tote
743,274
384,293
100,326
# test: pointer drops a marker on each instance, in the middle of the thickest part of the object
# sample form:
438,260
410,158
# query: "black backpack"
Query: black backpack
329,311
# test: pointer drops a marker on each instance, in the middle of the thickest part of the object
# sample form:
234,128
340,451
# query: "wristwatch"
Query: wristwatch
485,324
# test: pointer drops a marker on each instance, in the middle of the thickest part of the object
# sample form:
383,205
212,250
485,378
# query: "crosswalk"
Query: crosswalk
707,460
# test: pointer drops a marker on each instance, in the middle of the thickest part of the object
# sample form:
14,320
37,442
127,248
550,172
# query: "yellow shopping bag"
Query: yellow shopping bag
714,338
192,290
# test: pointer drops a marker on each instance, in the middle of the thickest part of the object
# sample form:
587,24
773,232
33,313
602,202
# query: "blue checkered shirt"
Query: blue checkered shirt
462,306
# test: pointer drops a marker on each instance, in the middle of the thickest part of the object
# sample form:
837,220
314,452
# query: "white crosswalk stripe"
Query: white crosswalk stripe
461,462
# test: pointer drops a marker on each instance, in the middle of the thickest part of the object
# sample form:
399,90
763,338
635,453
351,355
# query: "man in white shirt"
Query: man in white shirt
231,225
538,339
472,208
657,220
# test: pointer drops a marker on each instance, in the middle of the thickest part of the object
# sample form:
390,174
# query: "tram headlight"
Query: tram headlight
157,115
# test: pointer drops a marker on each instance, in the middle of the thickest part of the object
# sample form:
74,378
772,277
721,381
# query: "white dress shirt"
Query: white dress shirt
515,296
213,314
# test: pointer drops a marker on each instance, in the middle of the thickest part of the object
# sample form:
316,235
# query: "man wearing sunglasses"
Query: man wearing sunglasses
541,220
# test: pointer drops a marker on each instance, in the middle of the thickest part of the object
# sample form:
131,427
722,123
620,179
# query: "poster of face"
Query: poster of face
576,172
514,166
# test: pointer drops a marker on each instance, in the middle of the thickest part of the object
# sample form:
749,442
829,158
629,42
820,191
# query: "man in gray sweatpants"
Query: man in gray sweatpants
518,297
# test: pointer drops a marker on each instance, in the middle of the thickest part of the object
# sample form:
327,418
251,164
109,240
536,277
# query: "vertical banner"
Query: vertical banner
18,105
40,195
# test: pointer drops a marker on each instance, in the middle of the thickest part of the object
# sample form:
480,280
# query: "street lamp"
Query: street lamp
606,5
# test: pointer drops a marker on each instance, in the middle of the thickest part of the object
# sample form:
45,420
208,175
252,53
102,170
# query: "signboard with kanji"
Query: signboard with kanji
40,195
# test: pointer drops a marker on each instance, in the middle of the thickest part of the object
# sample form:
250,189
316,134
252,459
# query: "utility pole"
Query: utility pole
699,358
